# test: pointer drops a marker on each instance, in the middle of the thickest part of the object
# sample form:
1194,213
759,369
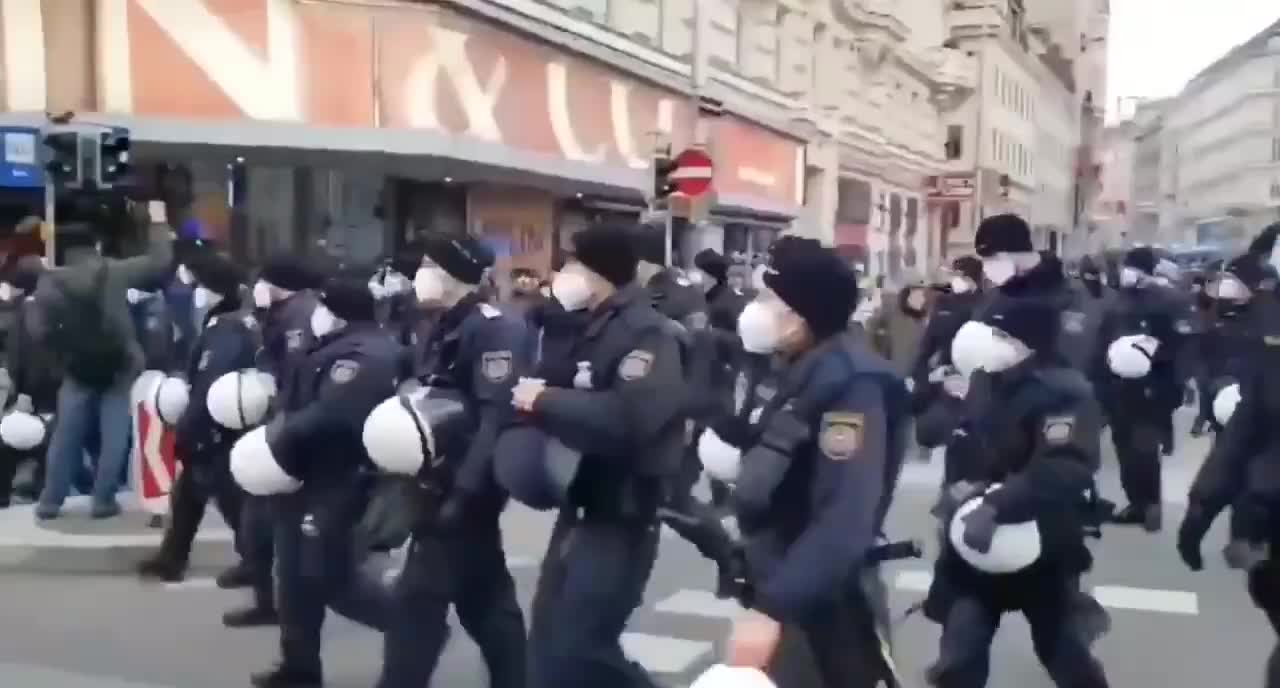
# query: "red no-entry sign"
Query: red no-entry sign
693,173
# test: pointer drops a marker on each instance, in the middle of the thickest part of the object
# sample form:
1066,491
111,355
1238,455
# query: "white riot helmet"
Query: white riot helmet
970,345
723,676
169,399
240,399
720,459
1014,547
1129,357
1225,403
256,469
22,431
407,430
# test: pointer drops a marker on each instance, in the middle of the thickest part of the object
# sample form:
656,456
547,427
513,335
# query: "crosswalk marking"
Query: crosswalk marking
193,584
699,603
1147,599
664,654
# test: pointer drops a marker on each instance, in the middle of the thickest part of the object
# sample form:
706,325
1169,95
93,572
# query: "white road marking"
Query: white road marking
1147,599
1110,596
662,654
193,584
517,562
700,603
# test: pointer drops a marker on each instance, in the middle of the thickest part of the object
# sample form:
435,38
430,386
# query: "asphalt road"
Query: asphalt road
1170,627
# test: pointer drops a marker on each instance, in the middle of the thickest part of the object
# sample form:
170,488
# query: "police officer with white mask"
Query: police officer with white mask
1014,538
820,459
285,298
1138,381
312,462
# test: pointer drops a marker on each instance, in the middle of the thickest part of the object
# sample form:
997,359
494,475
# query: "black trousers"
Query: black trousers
257,547
846,645
964,659
466,569
195,487
1264,590
593,578
1137,436
320,568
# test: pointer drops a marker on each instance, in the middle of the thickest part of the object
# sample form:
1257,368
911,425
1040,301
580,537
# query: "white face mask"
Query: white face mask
185,276
7,292
998,269
262,294
1274,259
1003,353
760,329
428,285
323,321
1130,277
203,297
572,290
961,285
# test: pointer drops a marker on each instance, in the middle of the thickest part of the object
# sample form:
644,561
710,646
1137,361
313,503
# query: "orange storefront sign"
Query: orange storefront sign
407,66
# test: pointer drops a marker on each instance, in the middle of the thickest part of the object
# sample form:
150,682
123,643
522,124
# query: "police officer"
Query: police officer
229,340
822,448
724,300
1011,263
953,308
1139,382
1240,470
1015,536
456,556
1090,300
312,460
284,295
1227,349
605,541
33,372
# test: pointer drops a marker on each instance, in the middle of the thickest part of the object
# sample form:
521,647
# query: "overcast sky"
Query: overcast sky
1157,45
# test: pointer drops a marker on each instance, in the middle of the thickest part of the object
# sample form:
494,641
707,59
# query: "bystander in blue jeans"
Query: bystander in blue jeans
81,411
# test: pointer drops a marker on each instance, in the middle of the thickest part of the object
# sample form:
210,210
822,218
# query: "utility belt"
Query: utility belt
633,499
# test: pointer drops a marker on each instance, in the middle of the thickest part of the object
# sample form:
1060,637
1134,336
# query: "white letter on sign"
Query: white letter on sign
448,56
561,122
262,89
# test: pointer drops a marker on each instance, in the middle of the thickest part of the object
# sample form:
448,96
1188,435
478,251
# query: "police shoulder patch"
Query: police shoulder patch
635,365
489,311
1271,340
344,371
1073,322
841,435
293,340
1059,429
696,321
495,365
1182,327
250,322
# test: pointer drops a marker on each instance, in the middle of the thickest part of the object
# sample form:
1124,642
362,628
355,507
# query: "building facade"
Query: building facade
1214,158
1112,208
1017,147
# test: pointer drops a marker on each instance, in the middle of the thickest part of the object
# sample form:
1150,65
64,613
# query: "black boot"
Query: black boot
238,576
285,677
250,617
1129,516
162,568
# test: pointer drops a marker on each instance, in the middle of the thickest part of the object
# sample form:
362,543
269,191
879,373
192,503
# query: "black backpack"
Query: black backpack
92,352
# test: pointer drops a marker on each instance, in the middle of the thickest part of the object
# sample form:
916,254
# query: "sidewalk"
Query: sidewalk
77,544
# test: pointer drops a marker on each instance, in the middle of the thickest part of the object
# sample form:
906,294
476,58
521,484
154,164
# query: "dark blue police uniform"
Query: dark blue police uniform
456,556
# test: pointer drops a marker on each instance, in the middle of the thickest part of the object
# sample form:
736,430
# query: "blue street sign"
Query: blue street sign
21,166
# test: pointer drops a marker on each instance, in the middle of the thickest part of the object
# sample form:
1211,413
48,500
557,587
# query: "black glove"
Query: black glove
980,528
1190,534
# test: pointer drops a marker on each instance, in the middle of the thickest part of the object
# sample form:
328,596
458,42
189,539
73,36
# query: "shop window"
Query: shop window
853,202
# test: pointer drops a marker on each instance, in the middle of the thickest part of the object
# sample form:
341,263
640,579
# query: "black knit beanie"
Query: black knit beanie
608,251
216,273
713,264
290,273
1141,258
347,295
464,258
814,282
1005,233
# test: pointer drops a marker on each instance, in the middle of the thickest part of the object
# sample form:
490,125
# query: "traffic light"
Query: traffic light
62,159
113,160
662,169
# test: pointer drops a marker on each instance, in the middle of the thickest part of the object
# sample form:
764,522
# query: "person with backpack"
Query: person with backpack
88,326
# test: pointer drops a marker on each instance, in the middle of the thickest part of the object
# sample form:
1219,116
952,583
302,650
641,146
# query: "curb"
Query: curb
74,544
